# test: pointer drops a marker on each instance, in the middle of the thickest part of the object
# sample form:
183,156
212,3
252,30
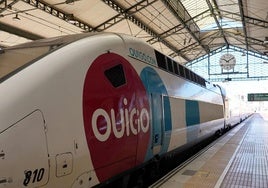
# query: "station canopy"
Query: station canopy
187,30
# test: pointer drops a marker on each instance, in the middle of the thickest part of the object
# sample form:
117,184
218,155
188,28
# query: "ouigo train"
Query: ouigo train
80,110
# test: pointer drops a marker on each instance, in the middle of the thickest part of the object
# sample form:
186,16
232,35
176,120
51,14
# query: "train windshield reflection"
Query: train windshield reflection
13,59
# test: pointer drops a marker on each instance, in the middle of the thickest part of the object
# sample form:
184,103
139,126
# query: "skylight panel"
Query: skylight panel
224,23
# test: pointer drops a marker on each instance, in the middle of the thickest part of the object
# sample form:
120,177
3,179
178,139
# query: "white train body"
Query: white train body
95,107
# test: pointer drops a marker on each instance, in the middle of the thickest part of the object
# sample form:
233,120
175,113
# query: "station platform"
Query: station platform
239,159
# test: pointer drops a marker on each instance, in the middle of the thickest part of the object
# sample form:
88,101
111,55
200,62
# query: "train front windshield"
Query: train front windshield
15,58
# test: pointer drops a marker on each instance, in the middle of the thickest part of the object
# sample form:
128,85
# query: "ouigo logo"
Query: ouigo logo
116,116
129,120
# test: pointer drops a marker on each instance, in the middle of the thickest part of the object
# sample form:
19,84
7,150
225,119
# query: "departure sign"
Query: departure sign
258,97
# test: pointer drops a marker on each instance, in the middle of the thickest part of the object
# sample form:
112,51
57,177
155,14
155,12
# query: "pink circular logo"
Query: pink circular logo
116,115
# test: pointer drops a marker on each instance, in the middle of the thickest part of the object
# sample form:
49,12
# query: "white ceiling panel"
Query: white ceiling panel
93,12
37,21
187,29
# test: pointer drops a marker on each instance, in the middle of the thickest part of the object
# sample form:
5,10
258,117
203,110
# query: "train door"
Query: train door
225,108
24,146
160,112
155,87
157,122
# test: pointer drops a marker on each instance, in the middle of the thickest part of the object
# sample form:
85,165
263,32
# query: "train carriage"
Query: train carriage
79,110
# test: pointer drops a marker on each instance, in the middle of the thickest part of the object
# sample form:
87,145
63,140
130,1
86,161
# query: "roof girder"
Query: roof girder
241,9
59,14
194,33
251,40
248,19
123,13
143,26
167,33
7,5
65,16
203,44
217,21
178,28
222,48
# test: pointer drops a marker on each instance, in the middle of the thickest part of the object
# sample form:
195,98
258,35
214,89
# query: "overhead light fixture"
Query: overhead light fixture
70,18
71,21
237,32
16,18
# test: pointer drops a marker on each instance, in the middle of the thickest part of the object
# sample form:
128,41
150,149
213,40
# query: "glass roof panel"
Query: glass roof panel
200,9
224,23
195,8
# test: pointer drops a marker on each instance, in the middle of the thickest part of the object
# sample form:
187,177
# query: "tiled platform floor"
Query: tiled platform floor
239,160
249,167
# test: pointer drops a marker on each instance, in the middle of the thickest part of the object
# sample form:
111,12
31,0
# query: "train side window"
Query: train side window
192,76
203,82
116,75
169,63
196,78
161,60
187,74
181,70
199,80
175,66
